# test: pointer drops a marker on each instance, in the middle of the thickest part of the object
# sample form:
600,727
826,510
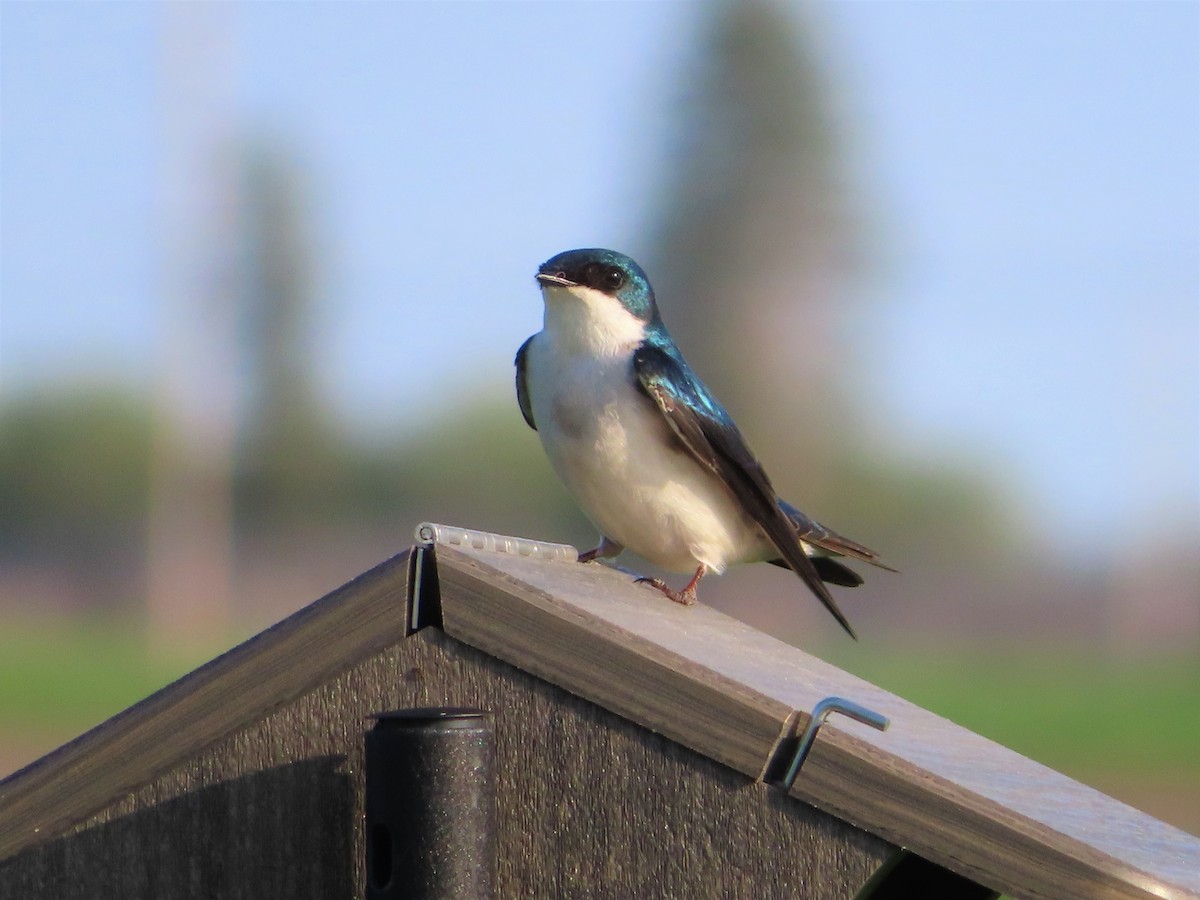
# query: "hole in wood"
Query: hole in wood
381,857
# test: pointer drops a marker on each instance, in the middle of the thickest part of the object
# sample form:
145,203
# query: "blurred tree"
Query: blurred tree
74,470
74,482
755,255
288,462
481,466
752,246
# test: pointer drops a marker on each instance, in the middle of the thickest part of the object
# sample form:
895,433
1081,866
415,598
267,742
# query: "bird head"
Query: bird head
602,280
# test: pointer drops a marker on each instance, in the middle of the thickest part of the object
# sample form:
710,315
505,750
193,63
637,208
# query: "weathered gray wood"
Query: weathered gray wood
178,721
590,804
725,690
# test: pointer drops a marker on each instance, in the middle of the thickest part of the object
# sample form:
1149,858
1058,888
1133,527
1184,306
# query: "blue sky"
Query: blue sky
1030,172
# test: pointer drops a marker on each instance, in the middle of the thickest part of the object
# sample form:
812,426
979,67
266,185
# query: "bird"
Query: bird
645,448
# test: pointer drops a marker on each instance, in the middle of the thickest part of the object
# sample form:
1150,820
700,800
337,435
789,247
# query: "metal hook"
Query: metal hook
820,712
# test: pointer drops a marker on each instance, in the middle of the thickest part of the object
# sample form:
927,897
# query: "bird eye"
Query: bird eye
613,278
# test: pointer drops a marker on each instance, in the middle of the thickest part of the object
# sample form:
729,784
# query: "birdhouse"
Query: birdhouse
482,716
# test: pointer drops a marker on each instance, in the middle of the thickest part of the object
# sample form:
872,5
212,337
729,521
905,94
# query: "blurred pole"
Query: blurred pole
189,555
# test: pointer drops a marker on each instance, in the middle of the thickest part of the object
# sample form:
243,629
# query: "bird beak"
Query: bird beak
547,278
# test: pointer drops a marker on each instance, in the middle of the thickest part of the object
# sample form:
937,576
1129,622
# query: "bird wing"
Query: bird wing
813,532
522,388
710,435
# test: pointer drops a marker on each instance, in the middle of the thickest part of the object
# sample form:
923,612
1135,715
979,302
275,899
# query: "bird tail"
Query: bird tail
828,569
817,535
833,572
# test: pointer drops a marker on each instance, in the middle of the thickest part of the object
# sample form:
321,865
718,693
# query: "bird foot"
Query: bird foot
685,597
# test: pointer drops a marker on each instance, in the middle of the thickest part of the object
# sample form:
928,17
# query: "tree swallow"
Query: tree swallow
653,459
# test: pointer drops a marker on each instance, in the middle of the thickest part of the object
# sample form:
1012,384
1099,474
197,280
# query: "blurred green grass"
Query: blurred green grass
1067,708
67,675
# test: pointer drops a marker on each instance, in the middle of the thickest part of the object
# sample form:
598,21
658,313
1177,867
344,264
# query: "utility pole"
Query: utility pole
189,554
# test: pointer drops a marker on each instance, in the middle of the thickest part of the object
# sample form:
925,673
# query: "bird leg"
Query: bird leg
688,595
607,549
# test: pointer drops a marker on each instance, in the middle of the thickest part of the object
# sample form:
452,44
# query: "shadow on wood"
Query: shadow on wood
282,832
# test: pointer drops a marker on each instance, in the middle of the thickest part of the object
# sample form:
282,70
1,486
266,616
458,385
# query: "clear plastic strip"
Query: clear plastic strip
433,533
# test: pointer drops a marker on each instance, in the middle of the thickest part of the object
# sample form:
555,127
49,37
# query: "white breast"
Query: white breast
611,448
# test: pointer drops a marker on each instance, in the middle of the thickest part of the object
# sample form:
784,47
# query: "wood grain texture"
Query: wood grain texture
590,804
725,690
204,706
